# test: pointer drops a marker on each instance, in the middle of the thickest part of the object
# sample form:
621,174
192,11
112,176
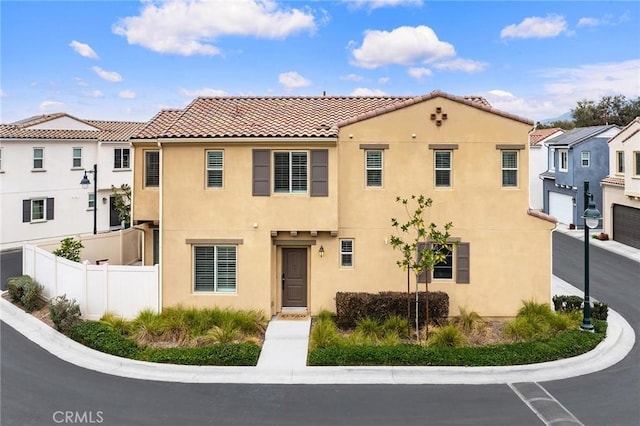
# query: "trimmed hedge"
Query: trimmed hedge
564,303
564,345
351,307
101,337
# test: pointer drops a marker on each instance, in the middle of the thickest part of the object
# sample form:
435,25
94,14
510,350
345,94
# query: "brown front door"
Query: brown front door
294,278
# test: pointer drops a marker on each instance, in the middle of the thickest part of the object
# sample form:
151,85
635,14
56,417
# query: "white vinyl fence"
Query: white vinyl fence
123,290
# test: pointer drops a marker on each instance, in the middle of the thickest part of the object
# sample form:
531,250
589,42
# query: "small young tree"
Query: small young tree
122,199
422,246
69,249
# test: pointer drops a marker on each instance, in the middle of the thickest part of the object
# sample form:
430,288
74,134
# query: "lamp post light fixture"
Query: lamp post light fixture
85,182
591,218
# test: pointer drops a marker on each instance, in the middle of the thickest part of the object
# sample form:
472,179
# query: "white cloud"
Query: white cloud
51,106
375,4
420,72
127,94
3,94
205,91
83,49
111,76
501,93
588,22
402,46
362,91
188,27
459,64
352,77
80,82
291,80
536,27
94,94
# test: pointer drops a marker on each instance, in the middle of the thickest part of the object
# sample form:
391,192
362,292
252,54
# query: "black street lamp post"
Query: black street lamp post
591,217
85,182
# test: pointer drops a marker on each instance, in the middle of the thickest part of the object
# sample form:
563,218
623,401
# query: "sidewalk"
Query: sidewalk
285,350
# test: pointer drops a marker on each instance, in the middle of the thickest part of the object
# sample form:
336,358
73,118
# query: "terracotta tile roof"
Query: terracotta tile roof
615,181
114,131
541,215
228,117
538,135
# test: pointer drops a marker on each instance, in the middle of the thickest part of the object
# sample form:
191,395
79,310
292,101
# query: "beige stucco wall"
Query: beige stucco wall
145,205
510,250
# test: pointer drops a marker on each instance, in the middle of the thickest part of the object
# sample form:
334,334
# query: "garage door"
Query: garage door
626,225
561,207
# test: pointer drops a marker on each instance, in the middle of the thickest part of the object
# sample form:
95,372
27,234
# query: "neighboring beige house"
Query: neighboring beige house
621,189
272,203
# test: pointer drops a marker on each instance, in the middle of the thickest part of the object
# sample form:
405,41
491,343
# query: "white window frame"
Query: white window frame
563,154
620,162
509,169
552,162
373,168
442,169
214,168
120,165
446,265
346,252
74,158
146,168
217,272
585,158
91,201
41,159
292,180
44,210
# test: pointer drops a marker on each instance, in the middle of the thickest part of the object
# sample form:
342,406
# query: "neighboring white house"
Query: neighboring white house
621,188
538,160
42,161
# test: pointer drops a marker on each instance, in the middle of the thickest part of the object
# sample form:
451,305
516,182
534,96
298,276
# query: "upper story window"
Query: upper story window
620,162
38,158
91,204
215,268
636,156
214,168
563,160
290,172
585,158
509,168
443,169
373,166
346,253
152,169
121,158
77,158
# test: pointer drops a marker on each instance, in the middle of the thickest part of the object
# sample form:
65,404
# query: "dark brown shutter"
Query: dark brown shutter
261,172
319,173
463,272
26,210
425,276
50,208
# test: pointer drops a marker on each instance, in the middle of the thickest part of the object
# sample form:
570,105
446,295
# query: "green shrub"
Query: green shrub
147,326
69,249
31,295
64,313
390,338
398,325
99,336
325,315
226,333
564,303
369,327
241,354
448,336
351,307
324,334
467,321
15,287
118,324
600,311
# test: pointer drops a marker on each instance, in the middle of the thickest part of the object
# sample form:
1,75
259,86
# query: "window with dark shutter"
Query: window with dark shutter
319,173
26,210
152,168
261,172
49,208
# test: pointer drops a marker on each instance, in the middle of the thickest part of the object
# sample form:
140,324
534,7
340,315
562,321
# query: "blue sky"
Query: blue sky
126,60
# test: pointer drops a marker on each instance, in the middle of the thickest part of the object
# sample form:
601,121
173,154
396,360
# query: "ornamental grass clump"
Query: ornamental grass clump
447,336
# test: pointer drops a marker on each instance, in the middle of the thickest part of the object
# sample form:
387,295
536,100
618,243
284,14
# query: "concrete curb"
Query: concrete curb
618,343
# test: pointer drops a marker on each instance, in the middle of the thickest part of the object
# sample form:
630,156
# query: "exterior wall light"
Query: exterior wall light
321,251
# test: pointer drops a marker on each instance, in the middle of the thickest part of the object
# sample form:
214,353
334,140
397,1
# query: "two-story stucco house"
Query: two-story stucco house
621,189
272,203
577,156
42,161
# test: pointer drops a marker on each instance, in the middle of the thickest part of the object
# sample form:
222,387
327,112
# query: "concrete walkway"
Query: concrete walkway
283,360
